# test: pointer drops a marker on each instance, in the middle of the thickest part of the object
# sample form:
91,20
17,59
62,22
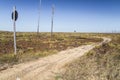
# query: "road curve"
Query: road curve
46,68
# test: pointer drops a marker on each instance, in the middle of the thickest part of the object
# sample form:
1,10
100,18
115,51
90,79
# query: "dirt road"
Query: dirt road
47,67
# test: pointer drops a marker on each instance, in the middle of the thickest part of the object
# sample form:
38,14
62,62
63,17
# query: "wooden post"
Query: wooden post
52,21
14,27
39,17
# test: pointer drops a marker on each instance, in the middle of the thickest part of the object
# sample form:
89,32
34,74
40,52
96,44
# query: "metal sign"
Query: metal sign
15,15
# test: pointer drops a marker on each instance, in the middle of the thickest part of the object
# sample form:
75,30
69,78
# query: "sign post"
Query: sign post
14,18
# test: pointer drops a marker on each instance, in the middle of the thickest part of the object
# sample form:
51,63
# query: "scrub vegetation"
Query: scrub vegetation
101,63
31,46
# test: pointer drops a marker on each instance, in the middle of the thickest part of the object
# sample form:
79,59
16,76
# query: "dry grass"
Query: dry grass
28,42
31,46
102,63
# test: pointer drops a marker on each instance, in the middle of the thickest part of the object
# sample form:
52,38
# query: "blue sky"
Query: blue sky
70,15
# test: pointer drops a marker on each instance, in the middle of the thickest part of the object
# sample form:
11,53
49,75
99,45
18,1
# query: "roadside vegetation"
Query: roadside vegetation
31,46
101,63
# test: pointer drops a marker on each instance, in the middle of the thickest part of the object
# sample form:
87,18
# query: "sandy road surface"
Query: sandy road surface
46,68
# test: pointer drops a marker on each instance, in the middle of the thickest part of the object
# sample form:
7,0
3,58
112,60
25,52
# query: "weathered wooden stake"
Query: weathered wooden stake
53,8
39,17
14,26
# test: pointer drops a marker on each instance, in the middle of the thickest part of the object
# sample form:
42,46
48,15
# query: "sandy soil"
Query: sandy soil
46,68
